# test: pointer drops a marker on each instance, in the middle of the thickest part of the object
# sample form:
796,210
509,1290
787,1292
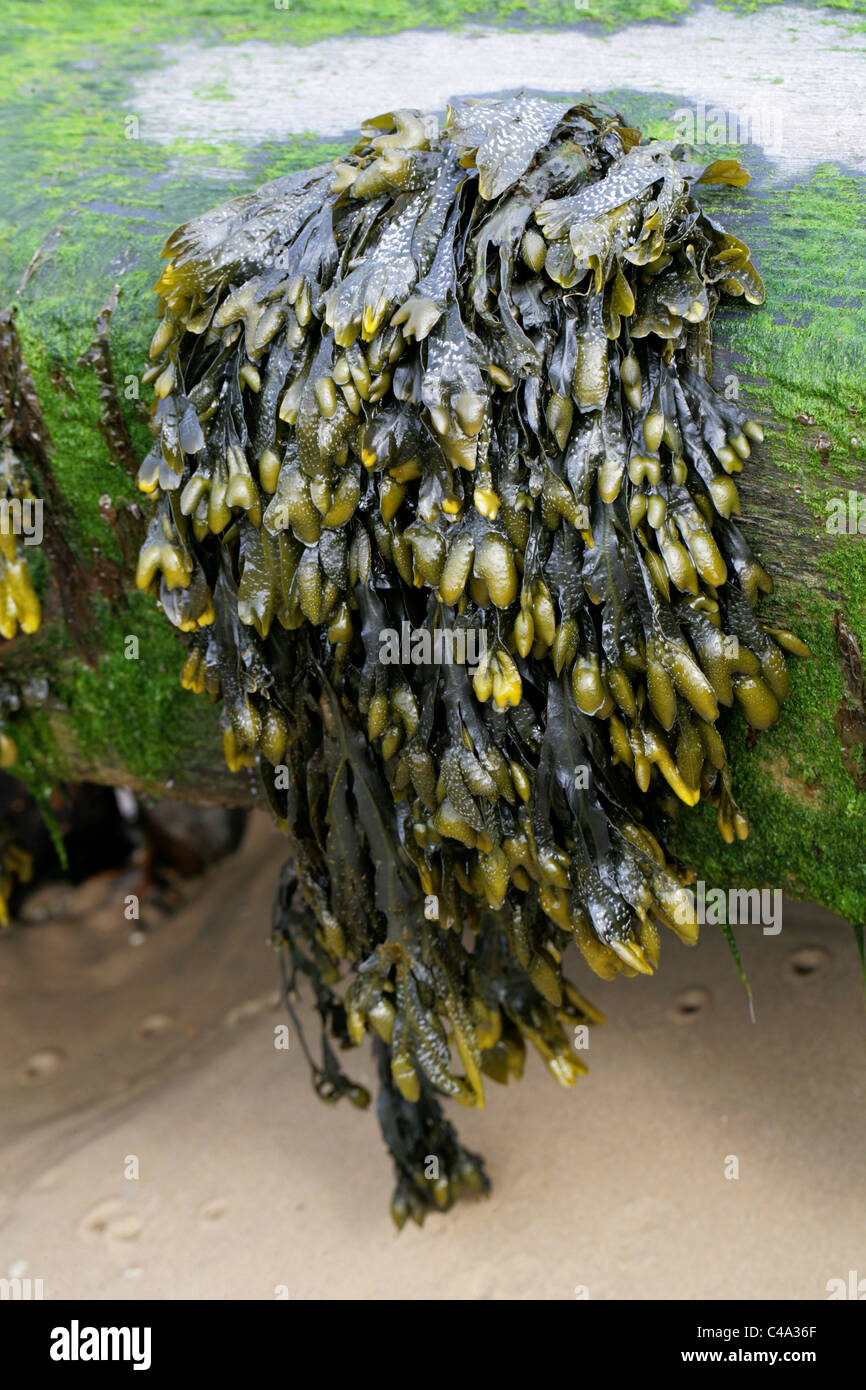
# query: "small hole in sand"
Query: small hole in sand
153,1025
97,1221
805,963
688,1005
127,1227
214,1210
42,1065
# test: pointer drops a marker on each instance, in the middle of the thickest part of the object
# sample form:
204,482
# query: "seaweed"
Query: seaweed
453,395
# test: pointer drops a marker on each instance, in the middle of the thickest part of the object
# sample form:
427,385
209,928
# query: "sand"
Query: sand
249,1187
775,68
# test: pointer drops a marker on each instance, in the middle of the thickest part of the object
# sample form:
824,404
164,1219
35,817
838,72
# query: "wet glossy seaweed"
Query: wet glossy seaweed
460,380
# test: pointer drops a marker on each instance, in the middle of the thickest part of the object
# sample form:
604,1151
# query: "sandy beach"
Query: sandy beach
249,1187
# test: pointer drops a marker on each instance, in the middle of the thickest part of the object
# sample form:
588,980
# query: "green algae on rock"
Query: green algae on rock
457,385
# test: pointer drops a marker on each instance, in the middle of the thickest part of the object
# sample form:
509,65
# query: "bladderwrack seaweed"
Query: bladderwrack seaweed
445,499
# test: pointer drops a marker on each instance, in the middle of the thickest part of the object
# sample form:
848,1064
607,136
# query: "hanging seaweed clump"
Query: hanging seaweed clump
445,501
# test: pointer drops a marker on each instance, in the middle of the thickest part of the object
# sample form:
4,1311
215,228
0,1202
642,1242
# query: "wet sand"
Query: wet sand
249,1187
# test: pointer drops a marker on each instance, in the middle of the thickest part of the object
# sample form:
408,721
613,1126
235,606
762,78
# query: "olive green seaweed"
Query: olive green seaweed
457,384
